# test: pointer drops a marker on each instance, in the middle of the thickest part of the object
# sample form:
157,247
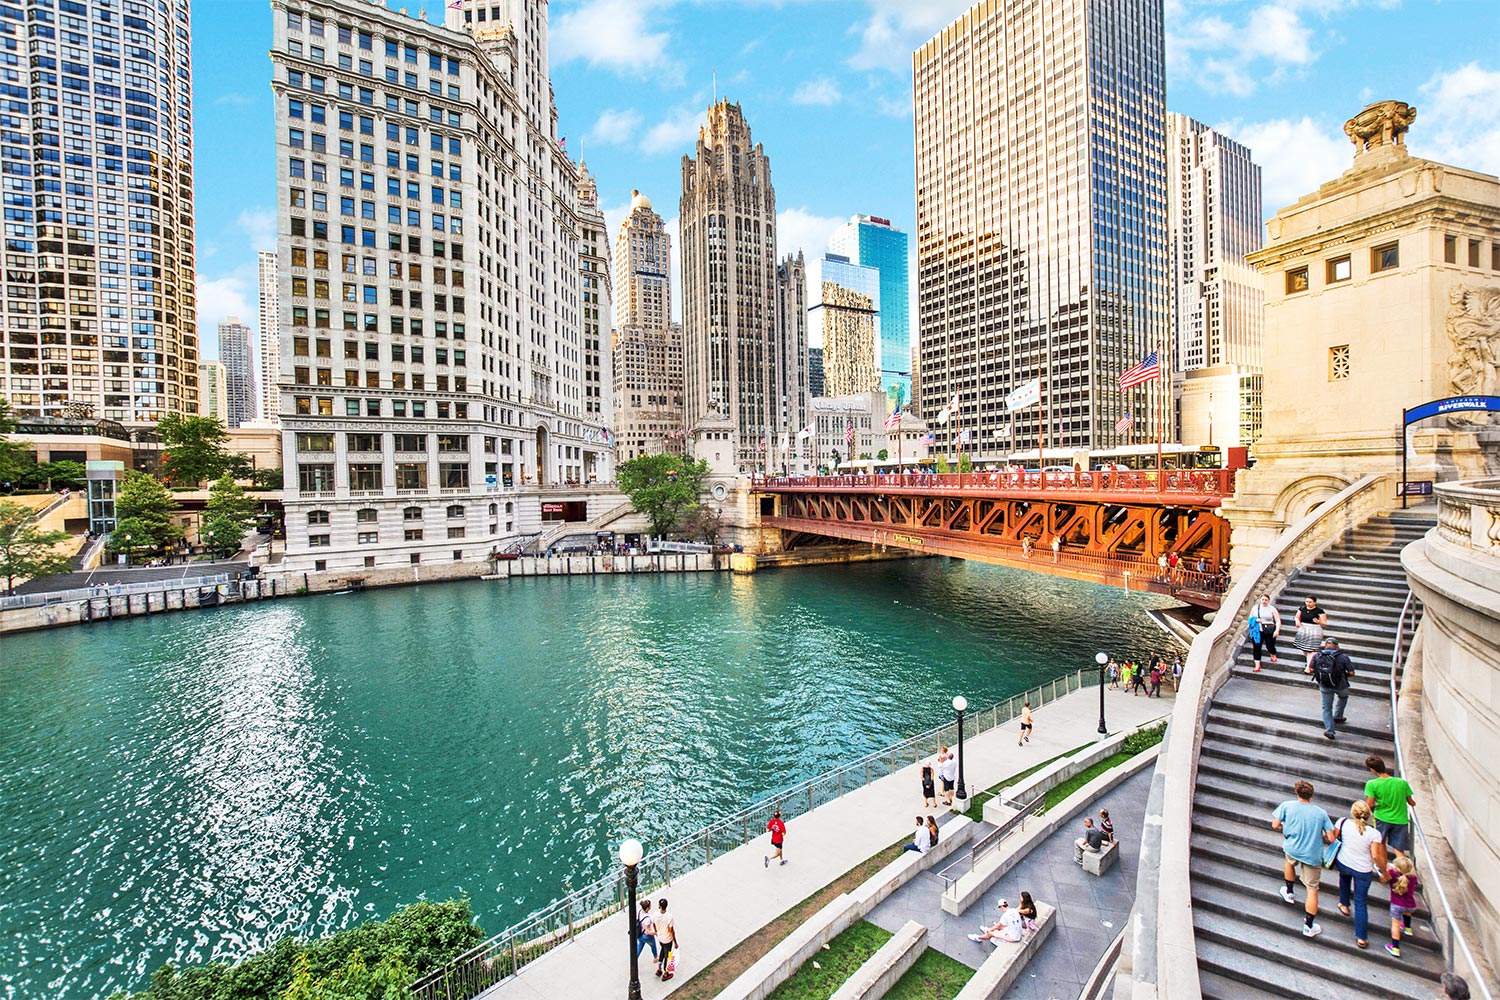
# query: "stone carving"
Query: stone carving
1383,123
1473,326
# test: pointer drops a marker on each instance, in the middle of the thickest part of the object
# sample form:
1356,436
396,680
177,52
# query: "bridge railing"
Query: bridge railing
1182,482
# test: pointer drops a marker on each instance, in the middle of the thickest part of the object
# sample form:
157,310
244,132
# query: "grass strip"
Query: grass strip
978,799
835,964
1082,778
934,976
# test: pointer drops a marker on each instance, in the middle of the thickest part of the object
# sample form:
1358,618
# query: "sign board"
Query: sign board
1415,488
1453,404
552,508
491,480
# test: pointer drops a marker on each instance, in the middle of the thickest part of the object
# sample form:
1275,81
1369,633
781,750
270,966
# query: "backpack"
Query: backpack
1330,668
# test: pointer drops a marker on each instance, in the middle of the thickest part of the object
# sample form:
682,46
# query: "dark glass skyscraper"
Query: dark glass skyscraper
1041,205
873,242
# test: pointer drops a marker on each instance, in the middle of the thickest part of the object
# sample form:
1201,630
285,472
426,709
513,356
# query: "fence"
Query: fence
112,590
1185,482
506,953
990,841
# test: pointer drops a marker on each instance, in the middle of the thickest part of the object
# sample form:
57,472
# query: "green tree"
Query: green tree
26,551
229,516
193,449
143,515
662,487
266,479
941,465
14,458
56,475
882,454
388,980
965,464
703,521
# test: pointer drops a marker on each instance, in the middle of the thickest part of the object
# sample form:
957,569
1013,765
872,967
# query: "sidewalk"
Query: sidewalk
720,905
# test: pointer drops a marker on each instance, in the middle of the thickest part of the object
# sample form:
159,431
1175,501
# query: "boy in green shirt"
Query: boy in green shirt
1389,798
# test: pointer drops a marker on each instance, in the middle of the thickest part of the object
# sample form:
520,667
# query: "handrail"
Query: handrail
1431,879
1205,483
1164,948
46,597
992,840
1103,976
503,954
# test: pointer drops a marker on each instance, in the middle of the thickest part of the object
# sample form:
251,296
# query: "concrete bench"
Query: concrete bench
1002,968
1099,862
883,969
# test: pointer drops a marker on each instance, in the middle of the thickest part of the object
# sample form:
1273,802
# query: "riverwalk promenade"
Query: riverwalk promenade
721,904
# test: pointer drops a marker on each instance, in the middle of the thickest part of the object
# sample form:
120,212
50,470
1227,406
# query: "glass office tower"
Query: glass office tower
873,242
845,315
1041,207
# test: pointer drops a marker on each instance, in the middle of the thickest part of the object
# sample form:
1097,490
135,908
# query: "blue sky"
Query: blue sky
826,87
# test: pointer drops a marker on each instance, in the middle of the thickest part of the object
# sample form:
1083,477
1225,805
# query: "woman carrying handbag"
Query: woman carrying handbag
1358,852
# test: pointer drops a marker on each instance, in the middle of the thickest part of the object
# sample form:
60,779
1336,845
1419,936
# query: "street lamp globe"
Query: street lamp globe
960,703
1101,658
631,853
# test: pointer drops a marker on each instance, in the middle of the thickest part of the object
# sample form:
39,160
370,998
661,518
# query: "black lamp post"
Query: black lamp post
630,856
1103,660
959,704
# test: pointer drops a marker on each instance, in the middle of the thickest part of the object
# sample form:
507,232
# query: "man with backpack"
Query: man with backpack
1332,668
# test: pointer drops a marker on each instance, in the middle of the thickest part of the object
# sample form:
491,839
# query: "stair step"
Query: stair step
1256,799
1259,710
1287,739
1213,986
1269,970
1350,972
1234,762
1361,685
1211,869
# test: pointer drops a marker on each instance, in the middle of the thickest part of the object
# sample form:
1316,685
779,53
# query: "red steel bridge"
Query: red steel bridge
1104,527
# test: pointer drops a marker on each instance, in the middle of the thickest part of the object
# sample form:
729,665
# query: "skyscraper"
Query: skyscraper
97,312
815,384
213,400
790,362
1214,221
270,339
428,258
737,360
845,316
239,371
647,346
596,313
1041,199
871,241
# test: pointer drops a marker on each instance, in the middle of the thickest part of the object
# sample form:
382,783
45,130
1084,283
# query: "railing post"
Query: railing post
568,911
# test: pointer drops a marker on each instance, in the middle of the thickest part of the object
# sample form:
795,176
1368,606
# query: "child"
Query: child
929,787
1402,875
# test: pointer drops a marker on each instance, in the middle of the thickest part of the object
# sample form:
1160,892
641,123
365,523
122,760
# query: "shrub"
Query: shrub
1145,739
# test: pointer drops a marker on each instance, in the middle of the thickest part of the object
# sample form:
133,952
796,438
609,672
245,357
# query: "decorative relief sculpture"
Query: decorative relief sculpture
1383,123
1473,326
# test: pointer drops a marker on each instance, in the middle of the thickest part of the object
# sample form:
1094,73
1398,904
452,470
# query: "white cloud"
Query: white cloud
611,34
235,100
1458,119
895,28
823,91
615,127
259,224
1295,157
218,299
799,229
676,132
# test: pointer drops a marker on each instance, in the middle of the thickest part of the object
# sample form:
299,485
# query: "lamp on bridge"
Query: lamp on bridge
630,856
1103,660
959,704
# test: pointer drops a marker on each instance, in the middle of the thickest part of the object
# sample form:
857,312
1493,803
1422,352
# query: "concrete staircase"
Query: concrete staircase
1262,734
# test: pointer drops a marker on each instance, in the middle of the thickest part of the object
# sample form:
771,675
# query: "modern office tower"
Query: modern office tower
1041,206
97,313
734,358
873,242
238,358
815,372
1214,221
270,340
790,360
845,317
428,258
647,347
596,313
213,395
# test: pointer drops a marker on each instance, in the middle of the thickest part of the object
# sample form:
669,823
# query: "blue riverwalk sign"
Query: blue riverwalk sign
1437,408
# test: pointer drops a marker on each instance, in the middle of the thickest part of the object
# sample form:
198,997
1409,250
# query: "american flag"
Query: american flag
929,438
894,420
849,433
1144,372
1123,424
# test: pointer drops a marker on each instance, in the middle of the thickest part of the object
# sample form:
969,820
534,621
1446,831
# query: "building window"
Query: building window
456,510
364,477
369,537
369,562
319,565
1450,249
458,555
366,515
1338,363
456,532
1296,280
416,557
1385,258
315,478
413,534
1495,256
1338,270
317,517
318,541
1474,253
411,514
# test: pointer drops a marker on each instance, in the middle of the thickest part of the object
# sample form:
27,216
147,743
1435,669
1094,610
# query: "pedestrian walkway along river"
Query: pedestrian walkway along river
188,787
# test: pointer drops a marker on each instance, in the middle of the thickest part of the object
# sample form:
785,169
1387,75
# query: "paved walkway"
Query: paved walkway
720,905
1091,910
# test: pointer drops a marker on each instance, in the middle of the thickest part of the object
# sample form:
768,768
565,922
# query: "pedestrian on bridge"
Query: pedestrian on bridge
1056,546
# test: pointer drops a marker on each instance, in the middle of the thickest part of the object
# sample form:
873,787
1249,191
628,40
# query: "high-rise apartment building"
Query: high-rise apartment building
647,347
213,396
238,358
431,305
815,383
871,241
270,339
595,312
845,317
1041,200
97,313
1214,221
737,356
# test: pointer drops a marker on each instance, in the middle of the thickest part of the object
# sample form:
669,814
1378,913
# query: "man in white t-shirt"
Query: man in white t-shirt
948,771
1007,928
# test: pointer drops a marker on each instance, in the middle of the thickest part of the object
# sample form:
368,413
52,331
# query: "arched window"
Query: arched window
367,515
411,514
494,509
317,517
456,510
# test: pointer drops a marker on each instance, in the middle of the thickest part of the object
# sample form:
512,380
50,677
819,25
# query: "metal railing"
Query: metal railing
1180,482
100,591
1447,930
992,840
509,951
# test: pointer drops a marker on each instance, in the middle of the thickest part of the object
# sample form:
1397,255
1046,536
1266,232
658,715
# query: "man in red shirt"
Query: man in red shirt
778,835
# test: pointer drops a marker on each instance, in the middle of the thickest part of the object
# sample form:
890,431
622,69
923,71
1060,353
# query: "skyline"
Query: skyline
632,103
